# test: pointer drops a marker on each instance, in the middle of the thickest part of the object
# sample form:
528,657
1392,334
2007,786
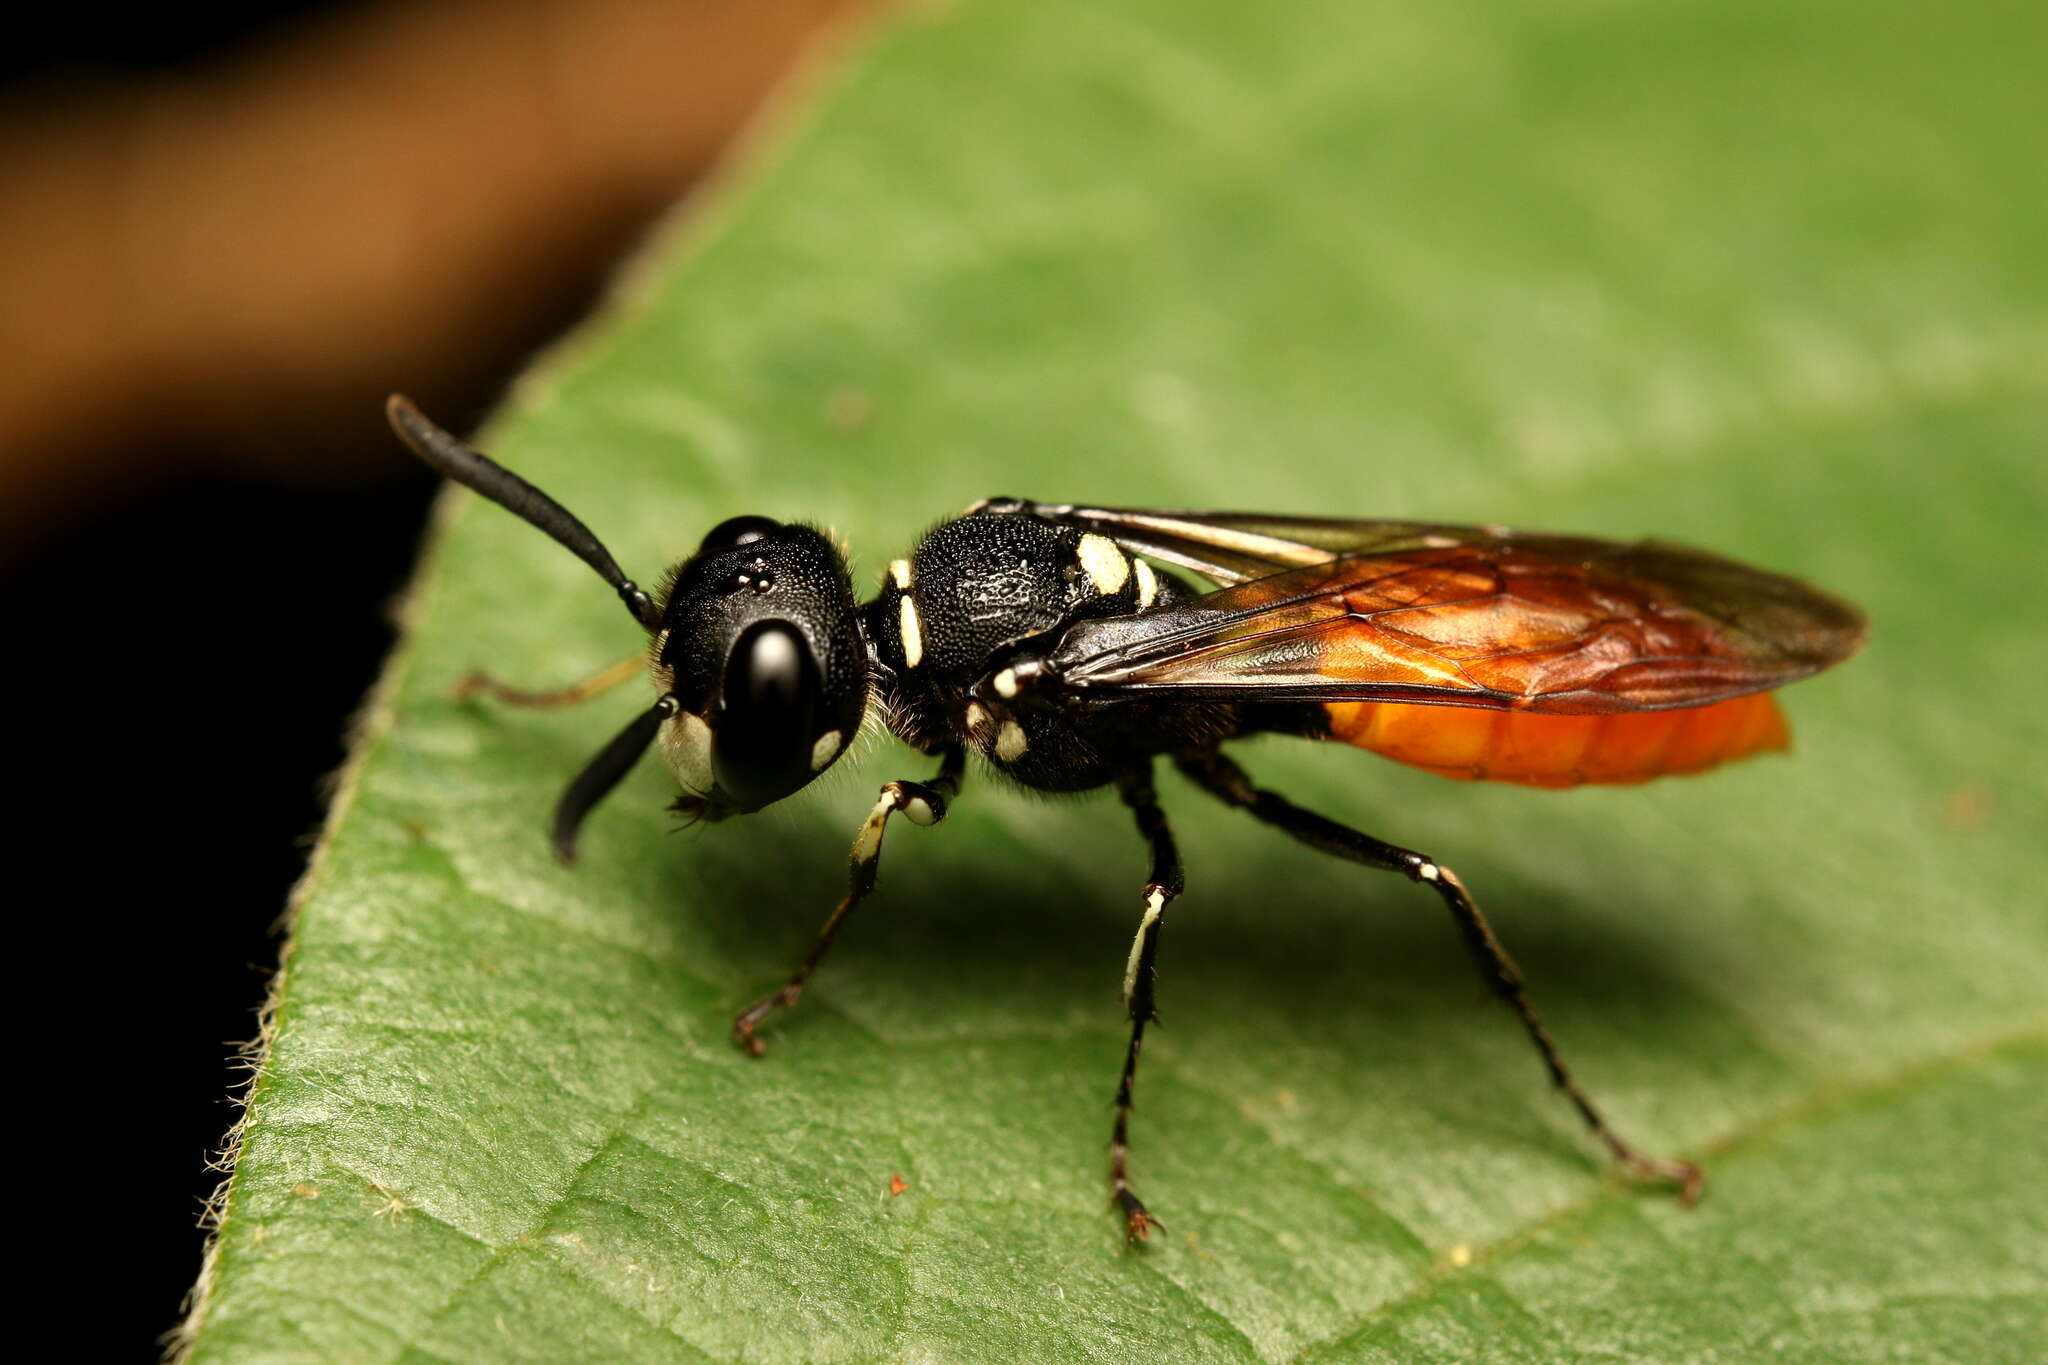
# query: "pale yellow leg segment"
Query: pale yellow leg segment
478,683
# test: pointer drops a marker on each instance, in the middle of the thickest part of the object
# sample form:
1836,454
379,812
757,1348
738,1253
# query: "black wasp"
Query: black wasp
1044,638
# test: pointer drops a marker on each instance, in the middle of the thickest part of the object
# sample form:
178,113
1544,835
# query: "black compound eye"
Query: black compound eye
768,715
734,532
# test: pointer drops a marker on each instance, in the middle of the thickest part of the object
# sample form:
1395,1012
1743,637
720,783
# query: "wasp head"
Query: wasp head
760,646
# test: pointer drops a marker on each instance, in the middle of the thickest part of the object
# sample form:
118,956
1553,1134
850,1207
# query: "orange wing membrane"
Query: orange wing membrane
1473,652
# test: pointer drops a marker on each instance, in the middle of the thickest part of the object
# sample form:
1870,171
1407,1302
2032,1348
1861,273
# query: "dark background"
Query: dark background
165,602
243,711
202,521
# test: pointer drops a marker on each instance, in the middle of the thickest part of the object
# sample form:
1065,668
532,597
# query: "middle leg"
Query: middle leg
1140,972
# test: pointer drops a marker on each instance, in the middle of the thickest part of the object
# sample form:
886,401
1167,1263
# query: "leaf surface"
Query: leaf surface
1758,276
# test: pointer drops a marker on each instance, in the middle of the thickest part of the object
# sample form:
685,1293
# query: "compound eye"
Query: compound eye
768,715
734,532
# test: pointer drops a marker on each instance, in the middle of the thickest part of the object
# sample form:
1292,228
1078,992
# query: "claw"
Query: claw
1139,1224
749,1019
1690,1179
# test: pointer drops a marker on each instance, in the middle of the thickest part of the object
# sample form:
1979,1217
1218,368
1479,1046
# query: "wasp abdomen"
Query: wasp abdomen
1540,750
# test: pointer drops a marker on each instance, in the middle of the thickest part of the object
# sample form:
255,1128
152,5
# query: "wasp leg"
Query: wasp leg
479,683
922,803
1140,974
1229,783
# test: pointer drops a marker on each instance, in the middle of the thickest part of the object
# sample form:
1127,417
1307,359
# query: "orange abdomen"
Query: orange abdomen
1561,751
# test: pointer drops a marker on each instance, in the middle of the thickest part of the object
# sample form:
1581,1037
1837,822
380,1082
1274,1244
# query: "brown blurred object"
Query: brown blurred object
242,259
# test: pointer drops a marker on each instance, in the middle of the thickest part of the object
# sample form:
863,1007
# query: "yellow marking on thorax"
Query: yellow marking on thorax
1105,564
912,631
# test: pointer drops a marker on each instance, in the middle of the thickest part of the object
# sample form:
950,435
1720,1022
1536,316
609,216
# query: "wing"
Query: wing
1233,547
1326,611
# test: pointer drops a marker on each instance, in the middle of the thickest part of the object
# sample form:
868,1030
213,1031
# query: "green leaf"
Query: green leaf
1760,276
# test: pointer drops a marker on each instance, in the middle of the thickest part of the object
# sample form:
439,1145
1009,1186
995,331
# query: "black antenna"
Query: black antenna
604,772
473,469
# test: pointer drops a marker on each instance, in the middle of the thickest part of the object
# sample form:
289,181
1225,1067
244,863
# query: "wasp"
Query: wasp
1073,648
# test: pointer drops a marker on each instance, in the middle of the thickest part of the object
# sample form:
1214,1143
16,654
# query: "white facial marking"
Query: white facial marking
686,744
977,717
913,634
1148,583
1010,742
664,676
1107,568
899,570
918,811
825,750
1006,683
1155,904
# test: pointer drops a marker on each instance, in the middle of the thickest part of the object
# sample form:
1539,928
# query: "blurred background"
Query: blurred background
226,232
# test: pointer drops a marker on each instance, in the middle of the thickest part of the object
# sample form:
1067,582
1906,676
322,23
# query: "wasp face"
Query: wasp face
760,646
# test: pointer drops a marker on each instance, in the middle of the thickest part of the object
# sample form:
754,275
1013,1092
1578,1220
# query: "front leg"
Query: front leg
478,683
1140,972
922,803
1223,779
